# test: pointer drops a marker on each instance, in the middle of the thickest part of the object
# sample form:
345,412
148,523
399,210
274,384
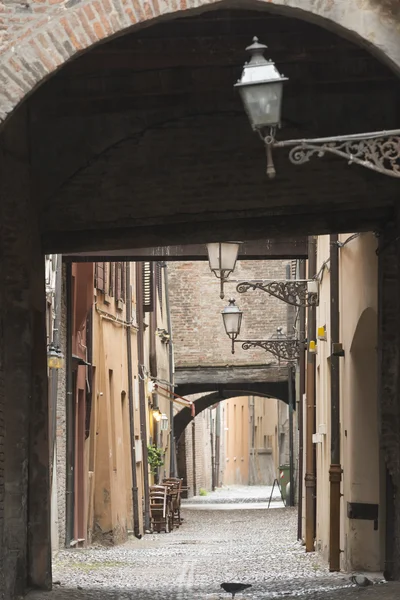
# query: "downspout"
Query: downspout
194,458
335,470
70,459
153,364
291,408
142,394
310,417
135,494
172,461
212,450
54,372
217,443
302,332
291,433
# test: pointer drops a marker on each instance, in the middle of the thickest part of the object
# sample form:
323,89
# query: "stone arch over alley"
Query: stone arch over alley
44,41
98,158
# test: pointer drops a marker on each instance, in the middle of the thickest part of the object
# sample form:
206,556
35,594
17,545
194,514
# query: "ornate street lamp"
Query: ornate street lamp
281,348
261,87
222,257
232,318
55,358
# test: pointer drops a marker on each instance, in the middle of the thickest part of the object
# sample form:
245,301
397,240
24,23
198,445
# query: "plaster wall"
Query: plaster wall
360,455
110,479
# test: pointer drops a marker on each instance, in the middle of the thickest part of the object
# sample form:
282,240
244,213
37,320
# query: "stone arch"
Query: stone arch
46,41
184,416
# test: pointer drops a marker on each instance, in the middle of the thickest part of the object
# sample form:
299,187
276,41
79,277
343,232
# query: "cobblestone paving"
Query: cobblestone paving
251,546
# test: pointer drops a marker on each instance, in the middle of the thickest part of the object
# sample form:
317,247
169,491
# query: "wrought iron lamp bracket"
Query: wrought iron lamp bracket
291,291
283,349
378,151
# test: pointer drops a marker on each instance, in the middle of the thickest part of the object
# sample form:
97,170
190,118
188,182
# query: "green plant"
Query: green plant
155,457
203,492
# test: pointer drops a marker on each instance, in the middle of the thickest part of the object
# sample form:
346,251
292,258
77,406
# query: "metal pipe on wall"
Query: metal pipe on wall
135,491
70,403
335,470
194,458
310,408
153,362
54,372
217,442
142,393
302,389
172,463
291,444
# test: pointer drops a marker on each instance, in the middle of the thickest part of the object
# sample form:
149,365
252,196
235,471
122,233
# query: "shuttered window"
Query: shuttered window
148,296
120,286
100,276
111,279
159,283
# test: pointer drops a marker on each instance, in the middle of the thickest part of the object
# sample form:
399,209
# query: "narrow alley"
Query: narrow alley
214,545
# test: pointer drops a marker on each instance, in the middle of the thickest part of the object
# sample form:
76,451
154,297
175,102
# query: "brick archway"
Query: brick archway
48,36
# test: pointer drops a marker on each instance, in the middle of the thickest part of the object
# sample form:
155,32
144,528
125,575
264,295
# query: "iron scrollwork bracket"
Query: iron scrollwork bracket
288,350
378,151
291,291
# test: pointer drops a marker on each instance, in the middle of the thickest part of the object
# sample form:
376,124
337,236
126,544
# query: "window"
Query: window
99,276
148,287
111,279
159,284
120,279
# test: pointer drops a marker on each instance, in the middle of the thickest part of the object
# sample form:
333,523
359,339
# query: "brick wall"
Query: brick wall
38,37
202,454
198,331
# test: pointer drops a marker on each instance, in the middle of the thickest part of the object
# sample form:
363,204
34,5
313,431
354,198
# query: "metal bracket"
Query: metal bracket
291,291
378,151
282,349
363,511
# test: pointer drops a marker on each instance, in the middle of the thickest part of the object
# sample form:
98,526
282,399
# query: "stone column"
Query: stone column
23,386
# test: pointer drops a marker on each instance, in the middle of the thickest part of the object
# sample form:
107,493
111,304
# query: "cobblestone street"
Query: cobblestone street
231,543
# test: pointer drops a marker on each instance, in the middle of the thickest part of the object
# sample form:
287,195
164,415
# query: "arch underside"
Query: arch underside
143,141
278,390
41,44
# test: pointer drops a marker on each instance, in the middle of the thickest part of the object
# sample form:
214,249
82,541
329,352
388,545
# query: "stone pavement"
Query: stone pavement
212,546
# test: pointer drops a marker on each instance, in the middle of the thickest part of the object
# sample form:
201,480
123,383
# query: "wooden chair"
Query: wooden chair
160,512
176,490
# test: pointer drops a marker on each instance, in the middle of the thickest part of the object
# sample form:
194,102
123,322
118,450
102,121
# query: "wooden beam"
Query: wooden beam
274,249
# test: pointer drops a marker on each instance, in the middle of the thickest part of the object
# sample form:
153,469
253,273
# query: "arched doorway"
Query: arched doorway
100,158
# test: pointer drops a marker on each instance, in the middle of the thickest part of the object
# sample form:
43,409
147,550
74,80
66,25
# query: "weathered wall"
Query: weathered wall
202,479
360,454
196,313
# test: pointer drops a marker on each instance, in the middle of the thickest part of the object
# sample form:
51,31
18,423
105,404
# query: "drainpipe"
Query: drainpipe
70,442
153,362
291,445
335,470
194,458
217,442
310,417
172,461
135,494
302,332
212,450
54,372
142,394
291,407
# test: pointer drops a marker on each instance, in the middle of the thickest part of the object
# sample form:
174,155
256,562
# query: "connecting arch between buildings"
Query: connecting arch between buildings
40,48
184,416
